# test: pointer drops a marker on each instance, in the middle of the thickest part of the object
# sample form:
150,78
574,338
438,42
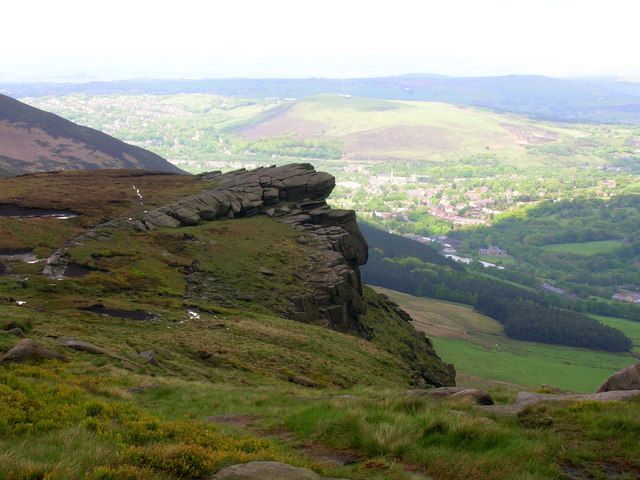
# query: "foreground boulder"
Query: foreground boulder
27,350
626,379
472,394
267,471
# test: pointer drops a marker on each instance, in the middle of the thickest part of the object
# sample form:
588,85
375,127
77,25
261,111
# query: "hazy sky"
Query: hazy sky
187,38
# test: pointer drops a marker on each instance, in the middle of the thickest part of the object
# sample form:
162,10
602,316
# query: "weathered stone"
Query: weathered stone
266,272
17,331
473,394
27,350
245,297
267,471
528,398
626,379
150,357
81,346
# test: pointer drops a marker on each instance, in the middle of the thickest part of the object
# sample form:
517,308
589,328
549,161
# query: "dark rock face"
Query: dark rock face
293,194
626,379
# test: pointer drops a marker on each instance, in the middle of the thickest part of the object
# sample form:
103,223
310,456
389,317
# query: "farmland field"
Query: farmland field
477,346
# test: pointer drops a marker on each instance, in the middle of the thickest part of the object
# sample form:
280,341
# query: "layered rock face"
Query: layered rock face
294,194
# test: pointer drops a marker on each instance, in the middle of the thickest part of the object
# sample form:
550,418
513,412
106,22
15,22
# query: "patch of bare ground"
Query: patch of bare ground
400,138
313,450
285,126
528,135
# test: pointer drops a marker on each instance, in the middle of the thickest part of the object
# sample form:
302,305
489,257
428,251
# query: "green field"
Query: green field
630,329
585,248
476,345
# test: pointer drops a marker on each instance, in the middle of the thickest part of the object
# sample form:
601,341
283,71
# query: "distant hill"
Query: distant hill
32,140
374,129
597,100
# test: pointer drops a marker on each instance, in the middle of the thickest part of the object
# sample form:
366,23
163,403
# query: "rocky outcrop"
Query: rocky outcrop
331,292
528,398
27,350
626,379
296,195
267,471
471,394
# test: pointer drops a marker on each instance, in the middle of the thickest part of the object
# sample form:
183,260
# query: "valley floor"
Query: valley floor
479,348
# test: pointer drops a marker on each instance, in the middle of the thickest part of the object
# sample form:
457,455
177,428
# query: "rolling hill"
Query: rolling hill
369,129
32,140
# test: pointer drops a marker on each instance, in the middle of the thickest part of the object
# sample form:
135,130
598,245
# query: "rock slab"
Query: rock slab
27,350
473,394
267,471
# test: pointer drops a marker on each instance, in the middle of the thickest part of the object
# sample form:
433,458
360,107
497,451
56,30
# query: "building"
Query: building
627,296
492,252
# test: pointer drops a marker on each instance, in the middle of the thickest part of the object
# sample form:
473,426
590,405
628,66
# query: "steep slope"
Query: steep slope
164,343
286,253
32,140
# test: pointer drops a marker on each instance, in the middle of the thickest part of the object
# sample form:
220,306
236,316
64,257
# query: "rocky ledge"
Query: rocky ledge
294,194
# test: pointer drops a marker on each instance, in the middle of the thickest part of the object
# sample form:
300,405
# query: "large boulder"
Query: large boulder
27,350
267,471
627,379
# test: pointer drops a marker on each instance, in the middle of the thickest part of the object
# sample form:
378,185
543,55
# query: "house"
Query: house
492,252
627,296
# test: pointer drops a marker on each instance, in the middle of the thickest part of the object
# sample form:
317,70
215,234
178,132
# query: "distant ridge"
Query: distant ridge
32,140
591,100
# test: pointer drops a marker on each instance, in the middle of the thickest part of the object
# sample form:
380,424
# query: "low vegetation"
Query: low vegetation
178,377
484,356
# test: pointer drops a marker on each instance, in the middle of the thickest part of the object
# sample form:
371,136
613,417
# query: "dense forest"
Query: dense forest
529,313
527,320
588,246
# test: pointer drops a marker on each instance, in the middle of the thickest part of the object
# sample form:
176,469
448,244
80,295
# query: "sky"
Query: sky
72,39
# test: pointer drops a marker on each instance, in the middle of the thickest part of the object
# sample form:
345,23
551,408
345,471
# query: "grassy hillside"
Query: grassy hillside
480,348
173,382
35,140
387,130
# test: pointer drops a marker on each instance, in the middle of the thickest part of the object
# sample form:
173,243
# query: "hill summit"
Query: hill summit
32,140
